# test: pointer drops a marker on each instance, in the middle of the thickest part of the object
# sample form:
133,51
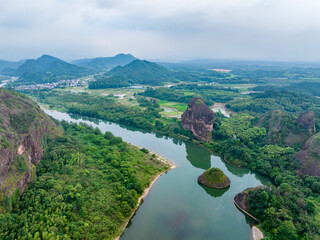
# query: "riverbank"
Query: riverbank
146,190
174,154
256,234
240,202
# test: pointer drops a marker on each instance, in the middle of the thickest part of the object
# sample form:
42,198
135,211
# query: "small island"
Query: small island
215,178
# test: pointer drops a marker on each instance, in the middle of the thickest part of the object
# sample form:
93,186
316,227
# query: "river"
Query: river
221,107
177,207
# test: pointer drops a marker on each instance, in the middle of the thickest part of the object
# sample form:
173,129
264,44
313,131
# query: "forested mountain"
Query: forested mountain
48,63
105,63
47,69
77,182
24,130
6,65
136,72
143,72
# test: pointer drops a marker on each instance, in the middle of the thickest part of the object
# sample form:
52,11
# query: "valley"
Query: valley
258,131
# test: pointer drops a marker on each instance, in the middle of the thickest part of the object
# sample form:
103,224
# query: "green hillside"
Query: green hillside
47,69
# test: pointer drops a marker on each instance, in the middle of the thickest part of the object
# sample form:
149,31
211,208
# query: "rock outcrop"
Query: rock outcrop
241,201
284,128
309,156
214,178
24,129
306,121
199,119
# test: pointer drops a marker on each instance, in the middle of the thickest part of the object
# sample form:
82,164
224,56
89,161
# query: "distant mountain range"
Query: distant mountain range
51,64
120,70
46,69
6,65
105,63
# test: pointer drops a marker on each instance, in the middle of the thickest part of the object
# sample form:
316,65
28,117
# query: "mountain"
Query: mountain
105,63
309,156
285,129
144,72
7,66
48,69
48,63
136,72
199,119
24,132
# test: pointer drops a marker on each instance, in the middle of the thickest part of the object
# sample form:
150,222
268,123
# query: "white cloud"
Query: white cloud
273,29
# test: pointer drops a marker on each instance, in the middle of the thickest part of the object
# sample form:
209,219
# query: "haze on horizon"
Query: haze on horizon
282,30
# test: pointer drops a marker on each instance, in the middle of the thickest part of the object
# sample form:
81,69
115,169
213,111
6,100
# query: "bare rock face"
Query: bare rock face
309,156
24,129
306,121
284,128
199,119
241,201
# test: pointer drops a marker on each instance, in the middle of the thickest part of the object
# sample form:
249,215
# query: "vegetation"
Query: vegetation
146,116
215,178
275,99
214,175
109,82
47,69
5,65
88,185
22,125
185,92
105,63
143,72
291,201
288,209
312,88
181,107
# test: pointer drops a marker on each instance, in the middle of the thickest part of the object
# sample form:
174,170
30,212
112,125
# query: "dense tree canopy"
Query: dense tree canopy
88,185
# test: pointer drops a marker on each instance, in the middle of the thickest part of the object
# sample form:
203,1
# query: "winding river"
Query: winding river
177,207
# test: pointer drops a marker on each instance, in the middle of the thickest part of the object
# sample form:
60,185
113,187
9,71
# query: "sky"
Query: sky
282,30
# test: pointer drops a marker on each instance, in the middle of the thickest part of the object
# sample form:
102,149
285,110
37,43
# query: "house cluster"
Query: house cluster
62,83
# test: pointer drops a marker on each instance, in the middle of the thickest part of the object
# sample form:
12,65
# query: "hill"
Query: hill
24,130
48,63
285,129
136,72
88,184
198,118
215,178
7,67
48,69
309,156
105,63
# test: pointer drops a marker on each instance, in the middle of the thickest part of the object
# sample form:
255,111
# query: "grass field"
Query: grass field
127,94
181,107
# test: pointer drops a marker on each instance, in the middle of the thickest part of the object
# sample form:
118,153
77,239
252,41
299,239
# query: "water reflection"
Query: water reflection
214,192
240,172
197,156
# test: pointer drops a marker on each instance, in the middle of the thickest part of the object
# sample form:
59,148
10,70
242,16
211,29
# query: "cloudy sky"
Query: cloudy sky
161,29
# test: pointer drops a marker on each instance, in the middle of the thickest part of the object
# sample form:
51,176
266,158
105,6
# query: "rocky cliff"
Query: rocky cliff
309,156
306,121
284,128
199,119
24,129
241,201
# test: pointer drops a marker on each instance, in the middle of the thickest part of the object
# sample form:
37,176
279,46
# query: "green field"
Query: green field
181,107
